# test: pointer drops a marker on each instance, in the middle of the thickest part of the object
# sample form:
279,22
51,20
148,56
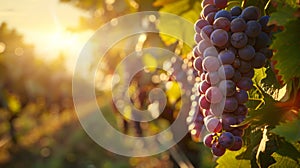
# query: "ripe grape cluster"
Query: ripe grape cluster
230,45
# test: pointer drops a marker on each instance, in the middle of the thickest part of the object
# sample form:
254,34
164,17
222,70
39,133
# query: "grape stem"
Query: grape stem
243,3
262,99
262,145
266,7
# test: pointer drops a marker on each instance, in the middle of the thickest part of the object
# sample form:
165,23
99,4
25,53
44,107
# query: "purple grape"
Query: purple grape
245,84
196,52
219,37
251,41
237,132
220,3
231,104
223,13
207,112
226,71
217,108
199,24
262,41
249,74
241,96
226,140
228,120
232,49
259,60
238,143
203,86
236,11
210,64
267,52
211,17
239,40
213,95
206,32
197,38
233,17
236,63
202,45
202,76
208,140
238,25
212,78
203,103
208,9
263,21
210,51
198,64
246,53
241,110
227,87
222,23
245,66
206,2
226,57
250,13
237,76
253,28
212,124
240,118
217,150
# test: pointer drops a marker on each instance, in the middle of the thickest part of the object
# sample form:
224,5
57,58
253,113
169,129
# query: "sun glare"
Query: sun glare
62,40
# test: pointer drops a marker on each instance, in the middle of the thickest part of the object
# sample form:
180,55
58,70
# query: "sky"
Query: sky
44,24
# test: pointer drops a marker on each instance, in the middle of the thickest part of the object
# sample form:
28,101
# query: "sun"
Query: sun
62,40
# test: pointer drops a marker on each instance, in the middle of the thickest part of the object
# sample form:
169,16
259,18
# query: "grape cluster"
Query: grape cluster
230,44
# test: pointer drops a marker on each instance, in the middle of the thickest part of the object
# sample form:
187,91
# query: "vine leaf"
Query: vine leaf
184,31
287,57
290,130
270,81
287,149
283,160
282,15
229,160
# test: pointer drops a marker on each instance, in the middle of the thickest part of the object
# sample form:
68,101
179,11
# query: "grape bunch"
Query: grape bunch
230,45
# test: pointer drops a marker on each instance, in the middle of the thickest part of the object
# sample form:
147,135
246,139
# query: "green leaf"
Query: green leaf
229,160
179,29
264,160
283,161
288,149
282,15
287,44
290,130
268,114
270,81
259,74
252,139
177,7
